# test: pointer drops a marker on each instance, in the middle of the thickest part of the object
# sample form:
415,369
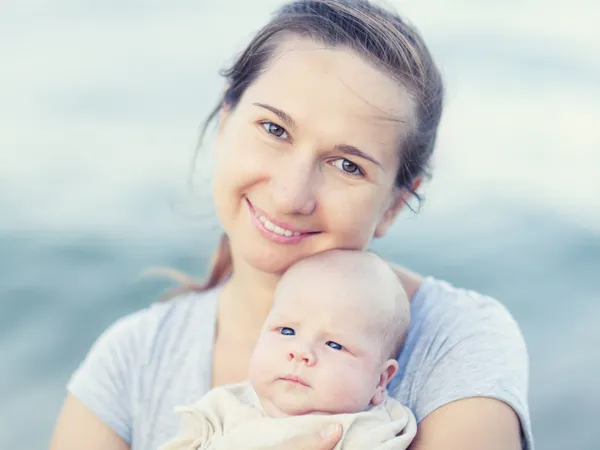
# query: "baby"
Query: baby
325,355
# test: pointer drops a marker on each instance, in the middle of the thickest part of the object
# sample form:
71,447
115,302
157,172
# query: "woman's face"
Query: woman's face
306,161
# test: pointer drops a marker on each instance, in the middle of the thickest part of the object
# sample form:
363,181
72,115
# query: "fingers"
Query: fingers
329,436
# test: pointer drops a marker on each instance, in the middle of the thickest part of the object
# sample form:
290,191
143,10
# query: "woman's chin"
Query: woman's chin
271,264
275,258
271,258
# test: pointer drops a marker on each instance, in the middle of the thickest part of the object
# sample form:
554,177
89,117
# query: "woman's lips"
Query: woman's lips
276,230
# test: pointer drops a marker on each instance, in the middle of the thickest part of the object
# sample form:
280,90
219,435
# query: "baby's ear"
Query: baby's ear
388,370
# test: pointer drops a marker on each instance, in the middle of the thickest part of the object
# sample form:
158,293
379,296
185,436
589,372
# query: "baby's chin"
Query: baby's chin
287,408
275,411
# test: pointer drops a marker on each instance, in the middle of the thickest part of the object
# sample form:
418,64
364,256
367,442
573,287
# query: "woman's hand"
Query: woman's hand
325,439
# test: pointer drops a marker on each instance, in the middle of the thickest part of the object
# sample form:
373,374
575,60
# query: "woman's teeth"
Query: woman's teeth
276,228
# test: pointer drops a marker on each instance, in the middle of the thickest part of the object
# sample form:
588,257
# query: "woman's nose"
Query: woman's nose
293,185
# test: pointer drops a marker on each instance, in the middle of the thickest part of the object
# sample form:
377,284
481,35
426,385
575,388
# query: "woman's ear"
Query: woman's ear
400,198
389,369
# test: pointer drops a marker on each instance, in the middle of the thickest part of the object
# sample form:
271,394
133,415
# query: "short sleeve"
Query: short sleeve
104,380
469,346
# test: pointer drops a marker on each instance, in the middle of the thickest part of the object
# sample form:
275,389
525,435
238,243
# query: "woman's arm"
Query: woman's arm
471,372
78,428
470,424
97,413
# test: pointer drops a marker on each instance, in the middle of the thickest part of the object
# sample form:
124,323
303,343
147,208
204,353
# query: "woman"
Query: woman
325,129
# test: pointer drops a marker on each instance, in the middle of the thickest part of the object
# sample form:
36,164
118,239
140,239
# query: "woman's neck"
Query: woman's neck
245,300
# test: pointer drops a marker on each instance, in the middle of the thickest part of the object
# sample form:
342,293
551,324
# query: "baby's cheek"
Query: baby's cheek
349,391
263,358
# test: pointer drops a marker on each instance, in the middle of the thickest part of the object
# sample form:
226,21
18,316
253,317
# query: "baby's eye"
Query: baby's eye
334,345
286,331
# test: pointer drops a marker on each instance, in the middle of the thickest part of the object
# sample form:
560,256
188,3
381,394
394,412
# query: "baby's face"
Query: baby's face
321,349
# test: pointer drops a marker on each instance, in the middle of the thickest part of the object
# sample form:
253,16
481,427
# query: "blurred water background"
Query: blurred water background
100,106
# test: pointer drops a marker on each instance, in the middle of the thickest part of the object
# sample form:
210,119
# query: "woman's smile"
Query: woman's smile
275,230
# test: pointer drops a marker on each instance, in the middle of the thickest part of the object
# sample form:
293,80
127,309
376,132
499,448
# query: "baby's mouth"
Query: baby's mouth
295,379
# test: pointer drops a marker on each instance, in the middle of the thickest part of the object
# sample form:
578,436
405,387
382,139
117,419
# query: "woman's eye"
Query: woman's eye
334,345
286,331
348,167
275,130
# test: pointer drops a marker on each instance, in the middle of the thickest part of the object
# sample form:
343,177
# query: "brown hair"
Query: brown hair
378,35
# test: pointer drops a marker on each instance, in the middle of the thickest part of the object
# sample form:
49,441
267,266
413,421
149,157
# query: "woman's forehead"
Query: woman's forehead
311,81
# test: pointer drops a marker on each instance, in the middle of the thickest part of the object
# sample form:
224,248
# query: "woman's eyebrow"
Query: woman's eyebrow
279,113
351,150
344,148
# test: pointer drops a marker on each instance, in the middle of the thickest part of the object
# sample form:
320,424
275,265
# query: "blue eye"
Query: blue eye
275,130
334,345
286,331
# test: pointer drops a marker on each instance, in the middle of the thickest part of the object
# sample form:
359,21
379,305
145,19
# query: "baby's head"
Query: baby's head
329,343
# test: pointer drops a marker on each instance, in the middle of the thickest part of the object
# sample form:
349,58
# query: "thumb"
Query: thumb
325,439
329,437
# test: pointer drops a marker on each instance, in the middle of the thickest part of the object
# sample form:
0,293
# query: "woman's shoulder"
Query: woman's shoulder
167,321
440,300
447,316
140,338
444,301
461,344
137,355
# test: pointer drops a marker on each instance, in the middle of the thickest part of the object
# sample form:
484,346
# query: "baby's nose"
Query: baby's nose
304,356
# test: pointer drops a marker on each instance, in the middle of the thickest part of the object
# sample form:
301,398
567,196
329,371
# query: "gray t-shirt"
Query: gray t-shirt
460,344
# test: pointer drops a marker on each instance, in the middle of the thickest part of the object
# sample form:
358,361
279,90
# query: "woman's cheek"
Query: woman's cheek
352,210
